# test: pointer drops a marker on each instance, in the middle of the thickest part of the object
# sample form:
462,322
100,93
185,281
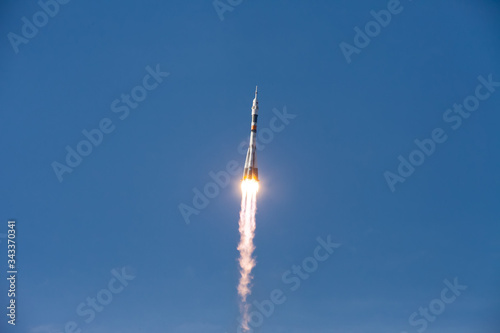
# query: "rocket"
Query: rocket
250,171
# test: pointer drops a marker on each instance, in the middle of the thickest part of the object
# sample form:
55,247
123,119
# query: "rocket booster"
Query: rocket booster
251,171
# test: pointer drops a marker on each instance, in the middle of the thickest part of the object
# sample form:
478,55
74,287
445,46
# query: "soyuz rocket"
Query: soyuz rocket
251,171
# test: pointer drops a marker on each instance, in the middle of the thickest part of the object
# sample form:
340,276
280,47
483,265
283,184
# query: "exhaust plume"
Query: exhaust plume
246,247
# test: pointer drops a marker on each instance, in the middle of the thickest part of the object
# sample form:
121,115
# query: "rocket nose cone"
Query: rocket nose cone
255,104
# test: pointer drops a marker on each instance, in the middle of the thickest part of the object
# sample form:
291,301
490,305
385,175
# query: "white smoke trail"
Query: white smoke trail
246,247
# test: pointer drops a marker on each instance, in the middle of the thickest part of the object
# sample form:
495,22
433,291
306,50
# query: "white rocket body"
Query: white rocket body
251,171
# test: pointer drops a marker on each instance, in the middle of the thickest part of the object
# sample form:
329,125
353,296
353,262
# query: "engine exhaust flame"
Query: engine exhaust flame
246,247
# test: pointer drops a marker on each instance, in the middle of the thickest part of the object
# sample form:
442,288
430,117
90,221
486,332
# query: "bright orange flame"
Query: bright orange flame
249,185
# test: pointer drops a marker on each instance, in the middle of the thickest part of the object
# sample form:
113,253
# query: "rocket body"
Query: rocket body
251,171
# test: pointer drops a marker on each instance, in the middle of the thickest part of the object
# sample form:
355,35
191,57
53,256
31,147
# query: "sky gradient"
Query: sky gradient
331,129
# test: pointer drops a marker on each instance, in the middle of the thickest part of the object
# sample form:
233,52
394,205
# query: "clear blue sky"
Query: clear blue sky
322,174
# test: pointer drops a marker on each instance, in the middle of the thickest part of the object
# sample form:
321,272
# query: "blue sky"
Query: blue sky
323,173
